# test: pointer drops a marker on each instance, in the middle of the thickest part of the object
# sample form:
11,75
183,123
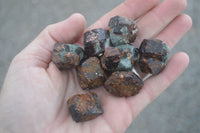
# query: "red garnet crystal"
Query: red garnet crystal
84,107
123,84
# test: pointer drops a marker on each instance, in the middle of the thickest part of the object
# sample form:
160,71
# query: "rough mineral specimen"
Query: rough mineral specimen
120,58
95,42
129,56
84,107
153,56
154,48
90,74
122,30
151,65
111,58
123,84
66,56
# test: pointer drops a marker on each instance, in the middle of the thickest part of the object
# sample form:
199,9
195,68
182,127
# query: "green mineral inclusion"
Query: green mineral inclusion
125,63
118,39
167,56
129,47
73,48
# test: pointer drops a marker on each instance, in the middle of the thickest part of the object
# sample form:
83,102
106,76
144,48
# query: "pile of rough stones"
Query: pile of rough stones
109,59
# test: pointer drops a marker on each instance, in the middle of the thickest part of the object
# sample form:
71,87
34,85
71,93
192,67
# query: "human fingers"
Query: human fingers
156,19
130,8
39,51
175,30
155,85
152,22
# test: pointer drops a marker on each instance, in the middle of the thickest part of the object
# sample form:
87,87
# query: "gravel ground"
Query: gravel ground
176,110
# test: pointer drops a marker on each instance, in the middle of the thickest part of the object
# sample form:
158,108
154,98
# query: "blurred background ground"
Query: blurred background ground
177,110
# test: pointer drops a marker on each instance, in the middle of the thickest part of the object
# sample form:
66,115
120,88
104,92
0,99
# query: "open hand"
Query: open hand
34,94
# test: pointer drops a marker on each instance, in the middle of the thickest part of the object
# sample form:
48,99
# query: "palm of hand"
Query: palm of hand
45,93
35,91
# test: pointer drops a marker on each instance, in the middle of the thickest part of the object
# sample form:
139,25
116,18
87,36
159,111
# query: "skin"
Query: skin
34,93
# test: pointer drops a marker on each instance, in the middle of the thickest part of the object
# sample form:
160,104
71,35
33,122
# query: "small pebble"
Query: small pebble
129,56
67,56
153,56
95,42
123,84
111,58
90,74
154,48
122,30
151,65
84,107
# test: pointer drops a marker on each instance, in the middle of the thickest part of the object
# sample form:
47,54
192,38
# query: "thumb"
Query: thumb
38,52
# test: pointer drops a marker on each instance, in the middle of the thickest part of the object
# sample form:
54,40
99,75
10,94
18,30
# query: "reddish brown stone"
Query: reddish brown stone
95,42
129,56
90,74
151,65
67,56
123,84
122,30
154,48
84,107
153,56
111,58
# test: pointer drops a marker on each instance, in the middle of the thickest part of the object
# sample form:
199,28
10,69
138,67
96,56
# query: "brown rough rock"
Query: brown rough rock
67,56
111,58
153,56
151,65
123,84
90,74
84,107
